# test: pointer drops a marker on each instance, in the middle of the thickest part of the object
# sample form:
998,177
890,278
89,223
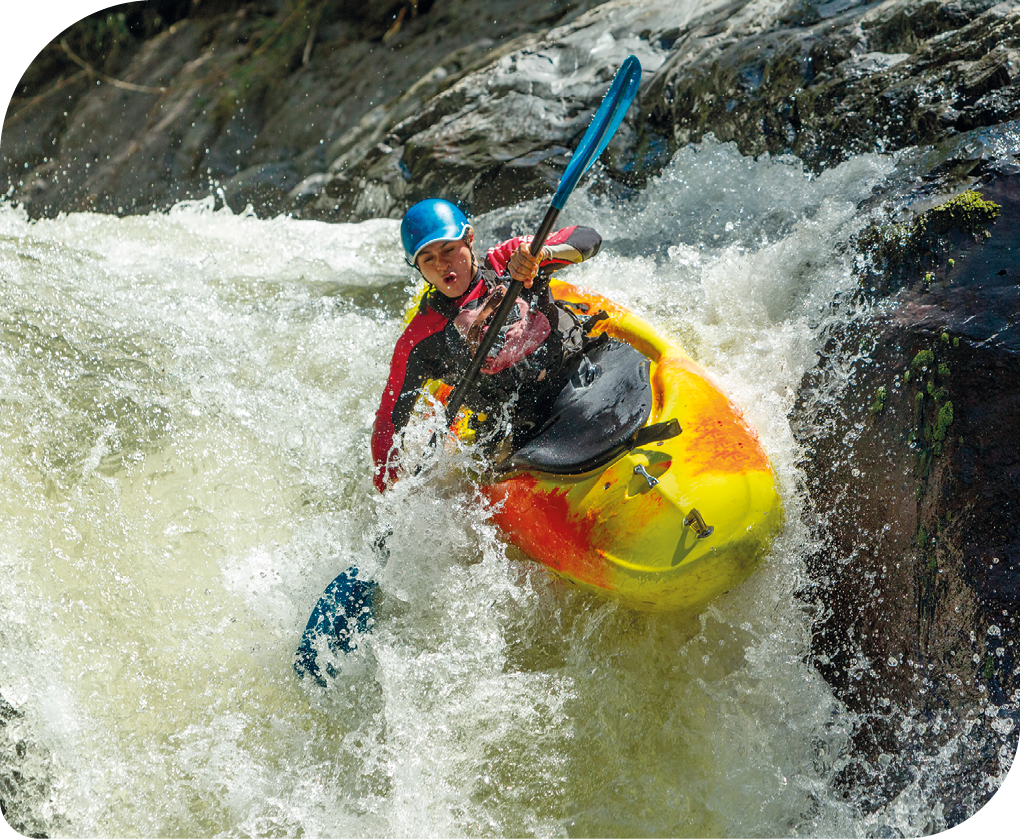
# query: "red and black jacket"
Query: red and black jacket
435,346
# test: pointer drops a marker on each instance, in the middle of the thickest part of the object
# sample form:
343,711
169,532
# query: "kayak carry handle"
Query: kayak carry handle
656,433
695,521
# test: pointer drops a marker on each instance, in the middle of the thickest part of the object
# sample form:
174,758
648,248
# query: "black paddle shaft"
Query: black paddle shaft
498,319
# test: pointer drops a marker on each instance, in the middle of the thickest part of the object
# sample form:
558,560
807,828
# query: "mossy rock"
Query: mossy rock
911,252
968,212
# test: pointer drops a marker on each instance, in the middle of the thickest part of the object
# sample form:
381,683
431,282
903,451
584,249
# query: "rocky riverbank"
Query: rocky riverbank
338,111
257,102
341,111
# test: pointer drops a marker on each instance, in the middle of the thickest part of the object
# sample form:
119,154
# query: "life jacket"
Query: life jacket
530,361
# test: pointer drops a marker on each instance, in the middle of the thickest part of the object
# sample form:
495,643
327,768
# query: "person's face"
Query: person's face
448,265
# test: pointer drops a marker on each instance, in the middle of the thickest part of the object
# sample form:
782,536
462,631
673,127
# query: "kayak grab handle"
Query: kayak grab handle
695,521
657,433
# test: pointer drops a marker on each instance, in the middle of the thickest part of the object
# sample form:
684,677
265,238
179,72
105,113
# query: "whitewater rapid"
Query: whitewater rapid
185,405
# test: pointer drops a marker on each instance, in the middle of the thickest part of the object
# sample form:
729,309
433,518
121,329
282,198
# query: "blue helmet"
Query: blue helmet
432,220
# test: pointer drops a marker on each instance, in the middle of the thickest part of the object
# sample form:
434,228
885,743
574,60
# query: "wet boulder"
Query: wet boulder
197,99
262,188
822,81
913,464
835,79
376,106
500,135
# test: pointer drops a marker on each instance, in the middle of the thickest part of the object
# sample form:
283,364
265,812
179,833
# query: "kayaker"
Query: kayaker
529,363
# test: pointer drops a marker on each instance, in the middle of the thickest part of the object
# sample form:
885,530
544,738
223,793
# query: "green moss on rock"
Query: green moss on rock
942,422
878,406
967,212
917,250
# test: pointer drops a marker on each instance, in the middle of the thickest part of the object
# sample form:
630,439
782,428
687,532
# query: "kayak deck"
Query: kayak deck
668,525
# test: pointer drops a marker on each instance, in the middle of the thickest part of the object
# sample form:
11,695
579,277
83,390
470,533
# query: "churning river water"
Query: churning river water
185,405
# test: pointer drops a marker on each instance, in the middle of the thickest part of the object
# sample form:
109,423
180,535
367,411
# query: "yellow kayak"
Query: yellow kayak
667,523
645,484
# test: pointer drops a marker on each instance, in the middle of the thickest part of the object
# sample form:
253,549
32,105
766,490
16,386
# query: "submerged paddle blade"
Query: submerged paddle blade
343,613
603,125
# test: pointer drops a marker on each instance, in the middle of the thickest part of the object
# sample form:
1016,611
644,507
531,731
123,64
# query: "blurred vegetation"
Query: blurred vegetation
278,32
103,40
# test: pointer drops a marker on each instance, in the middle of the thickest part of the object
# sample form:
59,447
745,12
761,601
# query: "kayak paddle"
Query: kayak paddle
601,130
346,607
345,610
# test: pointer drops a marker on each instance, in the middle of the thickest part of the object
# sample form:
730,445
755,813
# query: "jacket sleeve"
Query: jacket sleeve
566,247
410,368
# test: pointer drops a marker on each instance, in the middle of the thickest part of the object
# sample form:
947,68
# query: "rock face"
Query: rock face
337,110
914,467
822,81
839,78
260,102
497,136
343,111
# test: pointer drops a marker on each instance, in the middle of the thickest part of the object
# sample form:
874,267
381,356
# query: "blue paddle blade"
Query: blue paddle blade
602,128
343,612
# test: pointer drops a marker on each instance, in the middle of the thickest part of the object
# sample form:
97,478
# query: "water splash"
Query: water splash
186,404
